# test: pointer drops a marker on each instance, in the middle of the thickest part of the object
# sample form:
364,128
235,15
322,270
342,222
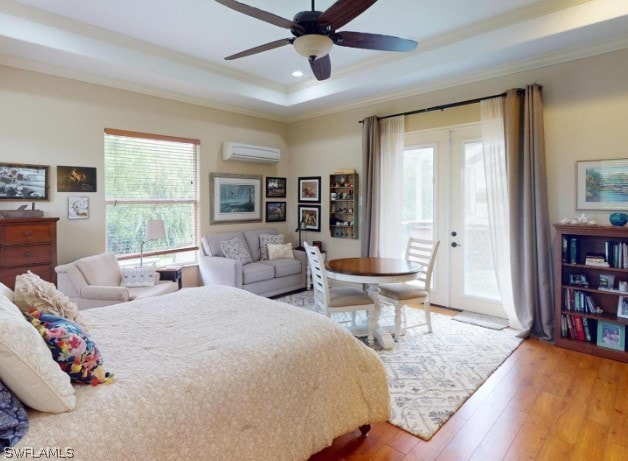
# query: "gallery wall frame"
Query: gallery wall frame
275,187
235,198
20,181
310,189
76,179
275,211
310,217
78,207
602,184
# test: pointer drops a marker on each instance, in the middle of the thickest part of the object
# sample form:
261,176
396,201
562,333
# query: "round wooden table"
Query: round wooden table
372,272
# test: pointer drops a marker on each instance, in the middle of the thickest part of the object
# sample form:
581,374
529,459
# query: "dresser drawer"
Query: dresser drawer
7,276
26,233
25,255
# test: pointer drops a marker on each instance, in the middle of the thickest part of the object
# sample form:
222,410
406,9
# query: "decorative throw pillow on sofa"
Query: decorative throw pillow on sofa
72,348
133,277
236,249
31,291
13,418
265,239
280,251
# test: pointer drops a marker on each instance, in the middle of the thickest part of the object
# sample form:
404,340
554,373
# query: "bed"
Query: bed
217,373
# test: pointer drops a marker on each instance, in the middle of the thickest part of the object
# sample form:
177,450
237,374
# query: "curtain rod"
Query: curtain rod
447,106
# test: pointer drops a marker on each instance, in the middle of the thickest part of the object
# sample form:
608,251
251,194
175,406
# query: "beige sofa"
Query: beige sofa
260,276
97,281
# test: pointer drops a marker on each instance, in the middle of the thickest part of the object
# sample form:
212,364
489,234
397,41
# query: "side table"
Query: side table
172,273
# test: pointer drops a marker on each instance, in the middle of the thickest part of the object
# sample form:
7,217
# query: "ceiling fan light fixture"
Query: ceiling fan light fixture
313,45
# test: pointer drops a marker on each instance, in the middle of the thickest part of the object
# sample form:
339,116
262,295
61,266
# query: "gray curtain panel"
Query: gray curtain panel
529,217
370,171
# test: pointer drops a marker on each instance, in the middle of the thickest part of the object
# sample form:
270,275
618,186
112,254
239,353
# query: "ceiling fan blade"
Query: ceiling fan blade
321,67
260,14
260,48
343,11
373,41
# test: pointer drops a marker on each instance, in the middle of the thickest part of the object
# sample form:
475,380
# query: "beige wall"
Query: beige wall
585,110
55,121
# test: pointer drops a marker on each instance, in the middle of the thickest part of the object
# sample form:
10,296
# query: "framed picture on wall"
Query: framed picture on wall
602,184
310,217
275,187
19,181
310,189
235,198
78,207
76,179
275,211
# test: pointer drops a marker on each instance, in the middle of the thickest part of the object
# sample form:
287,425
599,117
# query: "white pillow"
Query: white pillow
133,277
6,292
283,251
27,366
236,249
265,239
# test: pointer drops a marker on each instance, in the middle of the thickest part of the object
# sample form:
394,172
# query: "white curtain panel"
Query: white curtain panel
492,115
389,203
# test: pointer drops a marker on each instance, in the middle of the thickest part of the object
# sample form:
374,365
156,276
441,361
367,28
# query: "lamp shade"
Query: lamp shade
155,229
313,45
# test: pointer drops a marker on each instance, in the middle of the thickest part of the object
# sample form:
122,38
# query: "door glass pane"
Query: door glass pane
417,214
479,269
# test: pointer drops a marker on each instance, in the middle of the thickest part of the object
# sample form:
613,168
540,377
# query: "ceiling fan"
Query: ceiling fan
315,33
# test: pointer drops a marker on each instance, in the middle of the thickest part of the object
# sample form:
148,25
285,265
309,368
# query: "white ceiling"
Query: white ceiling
176,49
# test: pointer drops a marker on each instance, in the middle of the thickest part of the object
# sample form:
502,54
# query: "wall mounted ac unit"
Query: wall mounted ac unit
238,152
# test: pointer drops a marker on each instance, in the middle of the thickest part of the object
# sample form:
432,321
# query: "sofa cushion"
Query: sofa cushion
236,249
13,418
257,272
211,242
252,240
283,267
264,240
101,270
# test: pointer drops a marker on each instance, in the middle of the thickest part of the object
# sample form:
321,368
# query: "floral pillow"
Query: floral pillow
13,418
265,239
236,249
75,352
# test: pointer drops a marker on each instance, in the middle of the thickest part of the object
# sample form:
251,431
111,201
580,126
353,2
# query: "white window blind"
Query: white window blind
148,177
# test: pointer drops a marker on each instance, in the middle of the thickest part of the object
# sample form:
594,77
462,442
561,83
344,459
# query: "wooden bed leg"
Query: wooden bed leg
365,429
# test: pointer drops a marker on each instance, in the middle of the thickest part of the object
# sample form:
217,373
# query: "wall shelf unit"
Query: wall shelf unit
587,295
343,205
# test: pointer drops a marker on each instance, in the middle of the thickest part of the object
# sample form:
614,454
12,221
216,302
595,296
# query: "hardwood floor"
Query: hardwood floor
543,403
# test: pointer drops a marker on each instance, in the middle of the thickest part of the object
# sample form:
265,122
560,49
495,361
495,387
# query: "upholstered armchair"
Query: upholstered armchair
99,281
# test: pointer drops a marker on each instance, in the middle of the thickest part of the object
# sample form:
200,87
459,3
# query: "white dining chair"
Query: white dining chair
415,292
338,299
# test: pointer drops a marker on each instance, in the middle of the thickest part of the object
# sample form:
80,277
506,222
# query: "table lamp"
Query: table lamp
154,231
301,228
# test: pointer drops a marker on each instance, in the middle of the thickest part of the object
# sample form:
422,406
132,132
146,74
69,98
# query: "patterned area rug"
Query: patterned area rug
431,375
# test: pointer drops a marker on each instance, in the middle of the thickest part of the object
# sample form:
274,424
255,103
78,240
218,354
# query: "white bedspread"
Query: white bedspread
217,373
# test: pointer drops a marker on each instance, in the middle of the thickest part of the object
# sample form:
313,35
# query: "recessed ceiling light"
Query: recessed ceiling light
297,73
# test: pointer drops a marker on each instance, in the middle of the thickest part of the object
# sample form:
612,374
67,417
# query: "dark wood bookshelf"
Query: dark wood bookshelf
589,240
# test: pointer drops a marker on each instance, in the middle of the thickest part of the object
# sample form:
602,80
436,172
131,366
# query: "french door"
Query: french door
445,198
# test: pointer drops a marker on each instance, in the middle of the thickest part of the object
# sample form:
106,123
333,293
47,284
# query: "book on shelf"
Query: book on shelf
587,332
579,328
595,259
573,250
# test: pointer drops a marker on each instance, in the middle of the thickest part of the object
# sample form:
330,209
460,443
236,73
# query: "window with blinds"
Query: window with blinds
151,177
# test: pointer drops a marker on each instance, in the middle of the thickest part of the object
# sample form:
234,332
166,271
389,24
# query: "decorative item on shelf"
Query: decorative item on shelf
22,212
154,231
618,219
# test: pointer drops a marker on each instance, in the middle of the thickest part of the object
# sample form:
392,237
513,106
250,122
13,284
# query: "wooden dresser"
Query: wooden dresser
28,244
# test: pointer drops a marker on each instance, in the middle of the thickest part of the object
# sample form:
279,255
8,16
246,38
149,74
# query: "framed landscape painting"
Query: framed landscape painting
235,198
275,211
24,182
602,184
275,187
